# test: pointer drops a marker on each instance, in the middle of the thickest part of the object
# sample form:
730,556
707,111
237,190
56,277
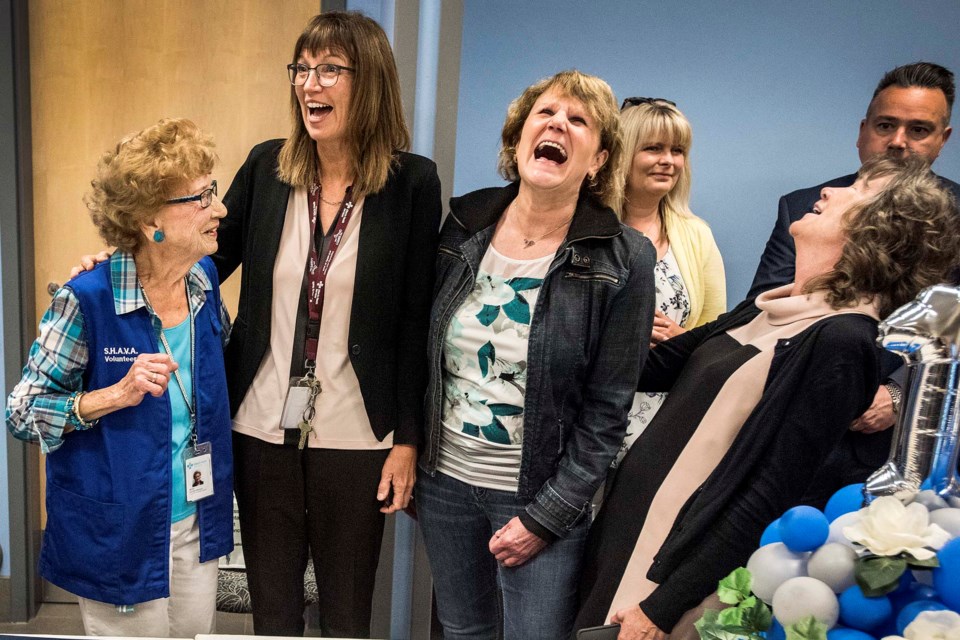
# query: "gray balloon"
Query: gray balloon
833,564
930,500
948,520
926,334
799,598
773,564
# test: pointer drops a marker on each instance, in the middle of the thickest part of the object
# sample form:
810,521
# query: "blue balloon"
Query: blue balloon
846,500
912,610
906,583
888,628
946,578
863,613
803,529
842,633
914,591
771,534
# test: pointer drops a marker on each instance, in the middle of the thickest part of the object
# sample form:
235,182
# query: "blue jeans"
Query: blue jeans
539,596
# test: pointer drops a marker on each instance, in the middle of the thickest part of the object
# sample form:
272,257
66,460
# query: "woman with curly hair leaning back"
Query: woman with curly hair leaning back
757,400
126,393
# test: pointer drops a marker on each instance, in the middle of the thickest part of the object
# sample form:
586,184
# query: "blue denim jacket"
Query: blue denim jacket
588,342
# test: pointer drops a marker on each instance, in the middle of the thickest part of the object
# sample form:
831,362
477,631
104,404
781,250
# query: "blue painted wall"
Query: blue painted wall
775,91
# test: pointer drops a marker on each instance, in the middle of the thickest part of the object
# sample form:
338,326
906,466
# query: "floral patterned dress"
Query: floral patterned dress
673,302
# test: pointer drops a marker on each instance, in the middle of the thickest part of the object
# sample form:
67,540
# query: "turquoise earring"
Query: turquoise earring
158,236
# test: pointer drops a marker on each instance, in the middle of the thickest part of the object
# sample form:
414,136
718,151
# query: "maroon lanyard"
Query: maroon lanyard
317,273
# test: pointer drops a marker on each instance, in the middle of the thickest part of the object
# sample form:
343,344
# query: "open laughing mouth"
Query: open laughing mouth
317,109
552,151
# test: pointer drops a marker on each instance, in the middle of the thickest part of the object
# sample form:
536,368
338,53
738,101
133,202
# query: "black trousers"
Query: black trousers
319,500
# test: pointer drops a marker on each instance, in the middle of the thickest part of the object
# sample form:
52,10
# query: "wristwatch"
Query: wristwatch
896,396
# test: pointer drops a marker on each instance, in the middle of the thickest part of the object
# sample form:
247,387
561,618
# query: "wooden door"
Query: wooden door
100,69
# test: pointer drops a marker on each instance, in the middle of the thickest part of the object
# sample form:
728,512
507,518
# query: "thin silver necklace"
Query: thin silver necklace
529,242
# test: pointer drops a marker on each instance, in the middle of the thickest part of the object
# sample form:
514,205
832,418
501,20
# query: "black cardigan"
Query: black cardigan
391,297
819,382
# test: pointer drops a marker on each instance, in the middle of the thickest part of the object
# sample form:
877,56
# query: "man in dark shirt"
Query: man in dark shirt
909,113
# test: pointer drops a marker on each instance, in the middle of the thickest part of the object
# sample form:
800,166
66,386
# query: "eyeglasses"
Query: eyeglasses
633,102
205,197
327,74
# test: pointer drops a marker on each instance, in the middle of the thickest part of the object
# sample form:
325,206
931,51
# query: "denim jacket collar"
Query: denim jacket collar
480,209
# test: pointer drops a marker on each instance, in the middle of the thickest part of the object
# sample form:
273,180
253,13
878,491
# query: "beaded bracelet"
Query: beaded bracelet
73,408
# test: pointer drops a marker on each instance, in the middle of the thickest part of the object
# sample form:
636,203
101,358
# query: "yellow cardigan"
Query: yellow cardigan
701,267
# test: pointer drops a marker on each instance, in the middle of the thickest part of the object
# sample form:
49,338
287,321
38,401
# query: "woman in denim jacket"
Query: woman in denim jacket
540,324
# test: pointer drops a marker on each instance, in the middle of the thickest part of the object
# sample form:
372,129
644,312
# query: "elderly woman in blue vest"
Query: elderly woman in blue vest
125,392
541,320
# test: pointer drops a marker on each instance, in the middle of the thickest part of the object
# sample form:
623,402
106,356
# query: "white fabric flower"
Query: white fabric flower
888,528
934,625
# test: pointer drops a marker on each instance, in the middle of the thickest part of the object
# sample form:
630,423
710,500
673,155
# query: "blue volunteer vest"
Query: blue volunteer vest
108,487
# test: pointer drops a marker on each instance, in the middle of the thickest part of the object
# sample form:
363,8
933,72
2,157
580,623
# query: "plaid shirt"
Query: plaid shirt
38,407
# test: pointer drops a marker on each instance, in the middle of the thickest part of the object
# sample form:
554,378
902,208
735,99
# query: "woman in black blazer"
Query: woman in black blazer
336,230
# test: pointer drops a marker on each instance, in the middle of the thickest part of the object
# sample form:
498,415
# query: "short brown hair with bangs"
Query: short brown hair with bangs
900,241
375,126
597,97
141,173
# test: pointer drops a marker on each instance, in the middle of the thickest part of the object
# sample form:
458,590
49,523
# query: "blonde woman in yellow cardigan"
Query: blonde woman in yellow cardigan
691,287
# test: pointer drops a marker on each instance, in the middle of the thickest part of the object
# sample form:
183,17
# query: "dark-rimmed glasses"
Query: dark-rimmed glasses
327,73
205,197
633,102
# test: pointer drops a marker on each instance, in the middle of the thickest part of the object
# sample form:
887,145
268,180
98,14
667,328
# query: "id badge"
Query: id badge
298,396
198,471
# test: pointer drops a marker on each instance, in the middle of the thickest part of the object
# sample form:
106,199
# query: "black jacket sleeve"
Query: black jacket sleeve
817,400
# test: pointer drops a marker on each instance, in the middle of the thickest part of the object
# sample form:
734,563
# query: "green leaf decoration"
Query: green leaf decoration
710,628
501,409
524,284
735,588
488,314
471,429
748,620
807,629
929,563
731,617
756,614
494,432
518,310
486,355
879,575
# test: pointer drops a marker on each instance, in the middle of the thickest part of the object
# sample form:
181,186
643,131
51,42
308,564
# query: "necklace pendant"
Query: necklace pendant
528,243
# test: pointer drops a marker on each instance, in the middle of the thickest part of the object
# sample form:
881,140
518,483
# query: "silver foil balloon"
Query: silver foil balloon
926,334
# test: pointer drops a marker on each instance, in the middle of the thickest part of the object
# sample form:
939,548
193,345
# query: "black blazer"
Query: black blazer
391,297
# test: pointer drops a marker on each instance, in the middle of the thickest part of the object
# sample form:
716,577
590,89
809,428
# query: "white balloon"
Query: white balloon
799,598
948,519
836,528
832,564
773,564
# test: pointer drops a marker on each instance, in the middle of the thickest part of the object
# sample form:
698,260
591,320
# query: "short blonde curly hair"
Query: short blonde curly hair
146,169
597,97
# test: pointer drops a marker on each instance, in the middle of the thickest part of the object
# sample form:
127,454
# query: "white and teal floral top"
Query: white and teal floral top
485,373
673,302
